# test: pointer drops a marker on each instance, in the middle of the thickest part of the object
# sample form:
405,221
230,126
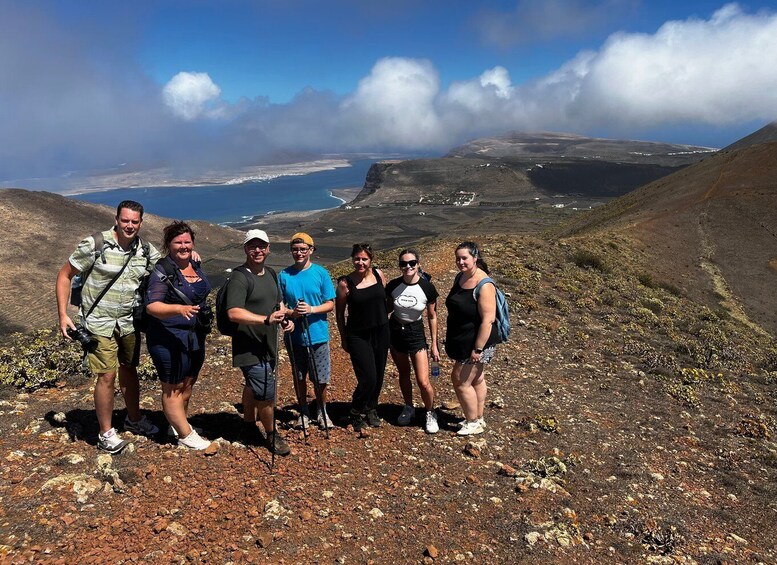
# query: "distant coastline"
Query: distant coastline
165,177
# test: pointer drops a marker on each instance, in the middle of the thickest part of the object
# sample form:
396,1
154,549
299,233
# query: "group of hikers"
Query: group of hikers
122,283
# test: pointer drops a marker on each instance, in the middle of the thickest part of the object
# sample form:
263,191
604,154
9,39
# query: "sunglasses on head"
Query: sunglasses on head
411,263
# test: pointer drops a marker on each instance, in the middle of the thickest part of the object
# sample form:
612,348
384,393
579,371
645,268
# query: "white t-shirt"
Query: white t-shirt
410,300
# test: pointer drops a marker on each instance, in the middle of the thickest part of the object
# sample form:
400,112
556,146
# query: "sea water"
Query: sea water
230,203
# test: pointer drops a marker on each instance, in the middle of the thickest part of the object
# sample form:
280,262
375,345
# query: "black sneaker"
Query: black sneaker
277,444
357,421
250,434
373,419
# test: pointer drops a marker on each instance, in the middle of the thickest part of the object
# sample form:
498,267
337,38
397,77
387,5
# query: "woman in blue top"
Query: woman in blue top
175,336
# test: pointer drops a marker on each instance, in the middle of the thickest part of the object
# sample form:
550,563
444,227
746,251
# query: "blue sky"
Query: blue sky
91,84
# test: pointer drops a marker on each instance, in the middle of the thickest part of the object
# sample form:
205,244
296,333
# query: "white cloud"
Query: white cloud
187,94
394,104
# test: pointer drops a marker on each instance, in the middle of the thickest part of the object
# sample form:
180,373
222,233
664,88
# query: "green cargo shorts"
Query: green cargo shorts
112,352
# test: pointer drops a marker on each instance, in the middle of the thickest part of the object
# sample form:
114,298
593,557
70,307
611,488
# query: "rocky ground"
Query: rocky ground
626,424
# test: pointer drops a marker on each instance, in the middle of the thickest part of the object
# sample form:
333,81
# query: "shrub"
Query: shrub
589,260
38,360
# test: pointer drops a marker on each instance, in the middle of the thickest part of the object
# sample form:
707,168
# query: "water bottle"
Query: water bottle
435,369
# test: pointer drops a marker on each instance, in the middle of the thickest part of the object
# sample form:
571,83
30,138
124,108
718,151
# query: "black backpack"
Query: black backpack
223,323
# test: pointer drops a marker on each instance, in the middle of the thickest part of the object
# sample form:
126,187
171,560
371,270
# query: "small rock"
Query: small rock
496,500
104,461
657,476
497,402
472,450
177,529
450,404
431,551
507,470
472,479
306,515
212,449
532,538
264,538
160,525
738,539
167,479
74,458
376,513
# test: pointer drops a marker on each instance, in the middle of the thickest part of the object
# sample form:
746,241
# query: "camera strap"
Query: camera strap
181,295
132,252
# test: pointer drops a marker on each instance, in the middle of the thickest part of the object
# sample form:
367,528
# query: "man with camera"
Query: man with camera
113,264
254,301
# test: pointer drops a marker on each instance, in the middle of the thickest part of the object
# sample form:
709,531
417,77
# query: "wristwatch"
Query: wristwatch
478,350
267,321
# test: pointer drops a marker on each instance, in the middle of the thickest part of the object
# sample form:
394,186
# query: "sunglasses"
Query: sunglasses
411,263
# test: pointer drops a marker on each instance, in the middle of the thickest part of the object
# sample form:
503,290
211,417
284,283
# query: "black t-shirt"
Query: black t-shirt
254,343
366,306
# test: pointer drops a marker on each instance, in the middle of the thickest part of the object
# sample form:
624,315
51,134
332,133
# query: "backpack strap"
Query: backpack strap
484,280
169,273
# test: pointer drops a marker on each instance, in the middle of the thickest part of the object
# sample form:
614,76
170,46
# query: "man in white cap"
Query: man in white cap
254,301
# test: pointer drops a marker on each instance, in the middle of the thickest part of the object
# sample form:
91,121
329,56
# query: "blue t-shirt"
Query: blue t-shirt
314,286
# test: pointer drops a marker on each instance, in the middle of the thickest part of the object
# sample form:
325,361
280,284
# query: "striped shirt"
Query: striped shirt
115,307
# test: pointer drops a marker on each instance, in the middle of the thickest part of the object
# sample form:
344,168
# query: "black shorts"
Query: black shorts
408,338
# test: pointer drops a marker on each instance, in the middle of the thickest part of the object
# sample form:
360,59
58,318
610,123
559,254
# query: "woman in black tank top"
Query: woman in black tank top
364,332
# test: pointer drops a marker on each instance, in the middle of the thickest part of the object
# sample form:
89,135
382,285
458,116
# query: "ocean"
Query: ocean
226,204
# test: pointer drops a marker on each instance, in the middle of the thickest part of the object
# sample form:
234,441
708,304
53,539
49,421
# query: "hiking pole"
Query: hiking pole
276,370
314,373
290,349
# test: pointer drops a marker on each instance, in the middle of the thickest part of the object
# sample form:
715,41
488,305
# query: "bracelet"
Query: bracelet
266,321
478,350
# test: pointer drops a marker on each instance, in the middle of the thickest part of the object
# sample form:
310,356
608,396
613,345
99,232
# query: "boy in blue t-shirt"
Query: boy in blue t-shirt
308,290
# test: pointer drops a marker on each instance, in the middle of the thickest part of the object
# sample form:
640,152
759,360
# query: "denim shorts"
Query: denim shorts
485,357
261,379
320,355
409,337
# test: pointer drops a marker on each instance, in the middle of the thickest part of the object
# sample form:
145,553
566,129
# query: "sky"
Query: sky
87,85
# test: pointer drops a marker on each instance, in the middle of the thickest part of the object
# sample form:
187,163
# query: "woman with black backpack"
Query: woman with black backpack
471,335
180,320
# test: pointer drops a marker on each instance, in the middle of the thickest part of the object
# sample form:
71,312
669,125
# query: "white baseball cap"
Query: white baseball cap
256,234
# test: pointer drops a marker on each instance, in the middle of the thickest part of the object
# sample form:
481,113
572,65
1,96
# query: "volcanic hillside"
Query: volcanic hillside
710,229
42,229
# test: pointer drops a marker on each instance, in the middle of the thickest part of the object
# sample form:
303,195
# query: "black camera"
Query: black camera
205,317
82,336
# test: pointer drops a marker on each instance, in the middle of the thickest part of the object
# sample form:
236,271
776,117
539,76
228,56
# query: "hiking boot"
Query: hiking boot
277,445
471,428
431,426
322,416
194,441
142,427
303,422
373,419
358,421
111,442
250,434
171,432
406,416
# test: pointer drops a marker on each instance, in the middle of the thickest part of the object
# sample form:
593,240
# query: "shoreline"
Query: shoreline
344,195
162,178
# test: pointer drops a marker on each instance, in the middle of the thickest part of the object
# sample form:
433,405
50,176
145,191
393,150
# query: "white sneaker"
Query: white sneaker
142,427
431,426
111,442
303,422
407,415
171,431
471,428
320,419
460,423
194,441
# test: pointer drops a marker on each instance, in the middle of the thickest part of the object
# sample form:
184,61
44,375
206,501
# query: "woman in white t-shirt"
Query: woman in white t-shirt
407,297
